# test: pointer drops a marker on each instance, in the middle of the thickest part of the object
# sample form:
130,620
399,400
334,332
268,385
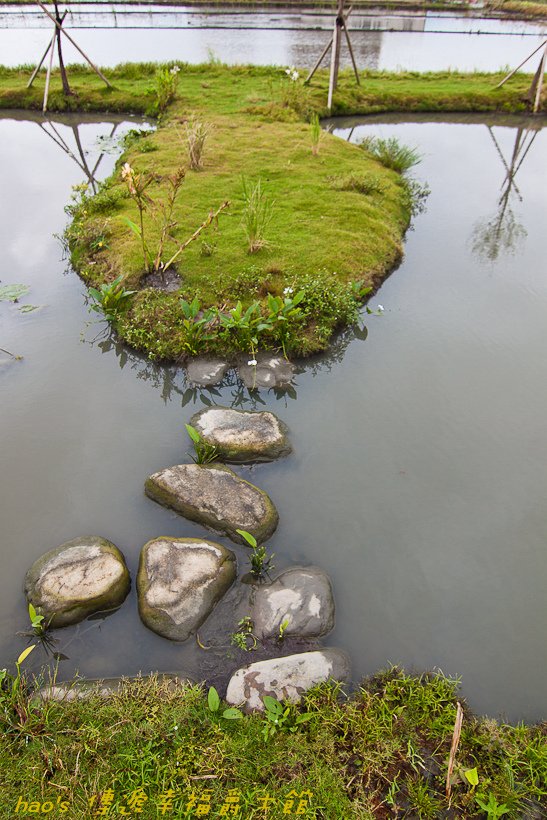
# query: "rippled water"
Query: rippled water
419,474
116,34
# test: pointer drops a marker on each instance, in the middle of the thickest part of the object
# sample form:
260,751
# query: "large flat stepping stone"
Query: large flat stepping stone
179,582
302,598
285,678
242,436
213,495
84,688
269,371
82,576
204,371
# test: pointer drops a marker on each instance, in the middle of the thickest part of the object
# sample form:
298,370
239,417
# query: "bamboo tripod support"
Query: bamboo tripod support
58,21
539,77
334,46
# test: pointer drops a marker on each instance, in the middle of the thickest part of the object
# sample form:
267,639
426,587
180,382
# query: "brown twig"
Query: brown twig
183,245
454,748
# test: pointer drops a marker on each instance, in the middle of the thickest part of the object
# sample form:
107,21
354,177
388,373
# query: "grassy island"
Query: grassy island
274,233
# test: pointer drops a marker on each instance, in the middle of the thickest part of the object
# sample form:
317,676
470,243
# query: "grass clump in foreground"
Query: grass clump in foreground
383,752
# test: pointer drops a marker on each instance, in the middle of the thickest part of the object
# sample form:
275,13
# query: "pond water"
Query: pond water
418,42
419,474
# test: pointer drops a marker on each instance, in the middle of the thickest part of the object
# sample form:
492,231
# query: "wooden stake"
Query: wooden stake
514,71
346,32
48,76
40,64
75,44
318,63
540,74
335,53
62,69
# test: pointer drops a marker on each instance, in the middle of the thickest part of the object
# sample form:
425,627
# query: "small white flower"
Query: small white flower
176,728
175,69
252,362
287,291
380,308
294,76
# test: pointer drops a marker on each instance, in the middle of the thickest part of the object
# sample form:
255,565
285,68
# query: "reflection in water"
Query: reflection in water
503,232
49,128
170,381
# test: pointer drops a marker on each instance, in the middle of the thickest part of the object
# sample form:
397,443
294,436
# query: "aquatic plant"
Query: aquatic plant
391,153
244,326
244,638
204,452
284,314
110,299
260,561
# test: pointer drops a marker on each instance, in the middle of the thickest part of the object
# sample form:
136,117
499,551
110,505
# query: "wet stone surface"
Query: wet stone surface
206,371
285,678
242,436
179,582
213,495
301,598
81,577
270,371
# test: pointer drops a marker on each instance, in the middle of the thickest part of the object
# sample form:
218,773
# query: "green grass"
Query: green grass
324,234
386,746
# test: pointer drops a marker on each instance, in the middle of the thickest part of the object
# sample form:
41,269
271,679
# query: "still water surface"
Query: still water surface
419,474
418,42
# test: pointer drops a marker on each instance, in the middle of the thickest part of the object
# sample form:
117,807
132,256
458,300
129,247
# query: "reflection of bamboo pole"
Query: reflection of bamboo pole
75,44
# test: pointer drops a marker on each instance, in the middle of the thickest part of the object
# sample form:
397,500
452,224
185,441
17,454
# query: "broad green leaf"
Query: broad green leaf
31,612
305,717
135,228
193,433
26,652
213,699
472,776
272,705
232,714
250,539
11,293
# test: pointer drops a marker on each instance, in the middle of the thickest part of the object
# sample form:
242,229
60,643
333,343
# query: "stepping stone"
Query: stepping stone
179,582
270,371
301,597
80,577
285,678
213,495
242,436
105,687
204,370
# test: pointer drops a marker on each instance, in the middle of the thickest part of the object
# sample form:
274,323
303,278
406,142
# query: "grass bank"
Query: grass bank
305,225
151,751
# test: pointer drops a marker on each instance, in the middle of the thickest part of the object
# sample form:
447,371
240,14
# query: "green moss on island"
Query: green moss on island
335,218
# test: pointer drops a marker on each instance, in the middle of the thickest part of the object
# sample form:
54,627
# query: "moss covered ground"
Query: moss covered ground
383,752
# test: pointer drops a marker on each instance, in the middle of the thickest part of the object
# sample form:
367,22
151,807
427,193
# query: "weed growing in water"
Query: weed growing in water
204,452
257,215
244,638
260,561
110,299
391,153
